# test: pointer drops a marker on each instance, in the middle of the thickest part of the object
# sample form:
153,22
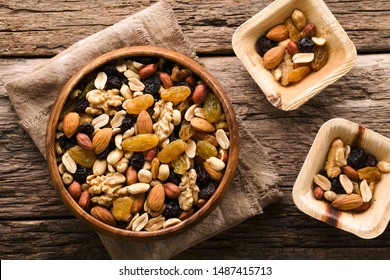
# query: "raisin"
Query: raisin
174,178
81,156
186,85
320,58
186,131
305,45
207,191
145,59
263,44
66,143
104,154
168,65
127,123
202,178
81,174
356,158
179,165
172,151
121,208
336,185
137,160
176,94
371,160
81,106
113,82
86,128
110,69
152,85
205,150
140,143
137,105
212,108
172,210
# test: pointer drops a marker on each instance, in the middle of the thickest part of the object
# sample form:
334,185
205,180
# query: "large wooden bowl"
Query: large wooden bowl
342,52
367,224
198,70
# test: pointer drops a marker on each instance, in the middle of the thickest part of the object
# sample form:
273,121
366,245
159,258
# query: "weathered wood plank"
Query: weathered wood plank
44,28
32,211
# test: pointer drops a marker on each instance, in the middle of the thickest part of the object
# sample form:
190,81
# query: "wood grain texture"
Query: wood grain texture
44,28
32,212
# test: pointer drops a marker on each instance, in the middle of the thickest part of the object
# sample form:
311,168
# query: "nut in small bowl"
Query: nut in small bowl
311,28
349,209
132,148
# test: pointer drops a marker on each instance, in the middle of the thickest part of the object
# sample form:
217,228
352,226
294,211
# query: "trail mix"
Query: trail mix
293,49
142,143
349,177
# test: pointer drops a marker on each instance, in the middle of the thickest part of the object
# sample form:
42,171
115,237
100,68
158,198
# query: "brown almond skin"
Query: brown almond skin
75,190
103,215
278,33
101,140
156,198
70,124
273,57
147,71
347,201
85,200
139,200
144,123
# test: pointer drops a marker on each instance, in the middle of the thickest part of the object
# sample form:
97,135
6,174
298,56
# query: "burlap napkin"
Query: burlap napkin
34,94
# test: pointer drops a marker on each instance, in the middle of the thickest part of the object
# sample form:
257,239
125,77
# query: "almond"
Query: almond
84,141
215,175
103,215
71,123
278,33
101,140
171,190
138,203
347,201
75,190
273,57
147,71
200,93
156,198
85,200
202,125
144,123
166,80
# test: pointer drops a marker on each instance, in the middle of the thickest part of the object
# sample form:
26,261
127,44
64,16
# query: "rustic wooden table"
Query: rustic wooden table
34,224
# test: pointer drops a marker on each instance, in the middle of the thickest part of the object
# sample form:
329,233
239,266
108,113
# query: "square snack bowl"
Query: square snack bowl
342,52
368,224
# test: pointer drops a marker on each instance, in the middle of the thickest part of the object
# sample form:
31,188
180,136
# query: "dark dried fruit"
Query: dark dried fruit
152,85
127,123
167,67
305,45
110,69
86,128
357,158
66,143
137,160
207,191
81,174
371,160
264,44
202,178
336,185
172,210
145,59
81,106
113,82
104,154
174,178
185,84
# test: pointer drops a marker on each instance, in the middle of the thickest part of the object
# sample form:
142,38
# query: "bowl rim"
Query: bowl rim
271,93
182,60
339,219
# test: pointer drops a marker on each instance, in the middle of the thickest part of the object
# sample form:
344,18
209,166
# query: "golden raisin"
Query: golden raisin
138,104
369,173
176,94
212,108
121,208
186,131
205,150
179,165
82,156
172,151
298,74
140,143
320,58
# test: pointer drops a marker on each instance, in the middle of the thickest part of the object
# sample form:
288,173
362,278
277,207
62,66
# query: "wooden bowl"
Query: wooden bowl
367,224
182,60
342,52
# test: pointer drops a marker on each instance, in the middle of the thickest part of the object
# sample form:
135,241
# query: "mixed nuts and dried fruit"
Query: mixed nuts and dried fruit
291,50
349,177
142,143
